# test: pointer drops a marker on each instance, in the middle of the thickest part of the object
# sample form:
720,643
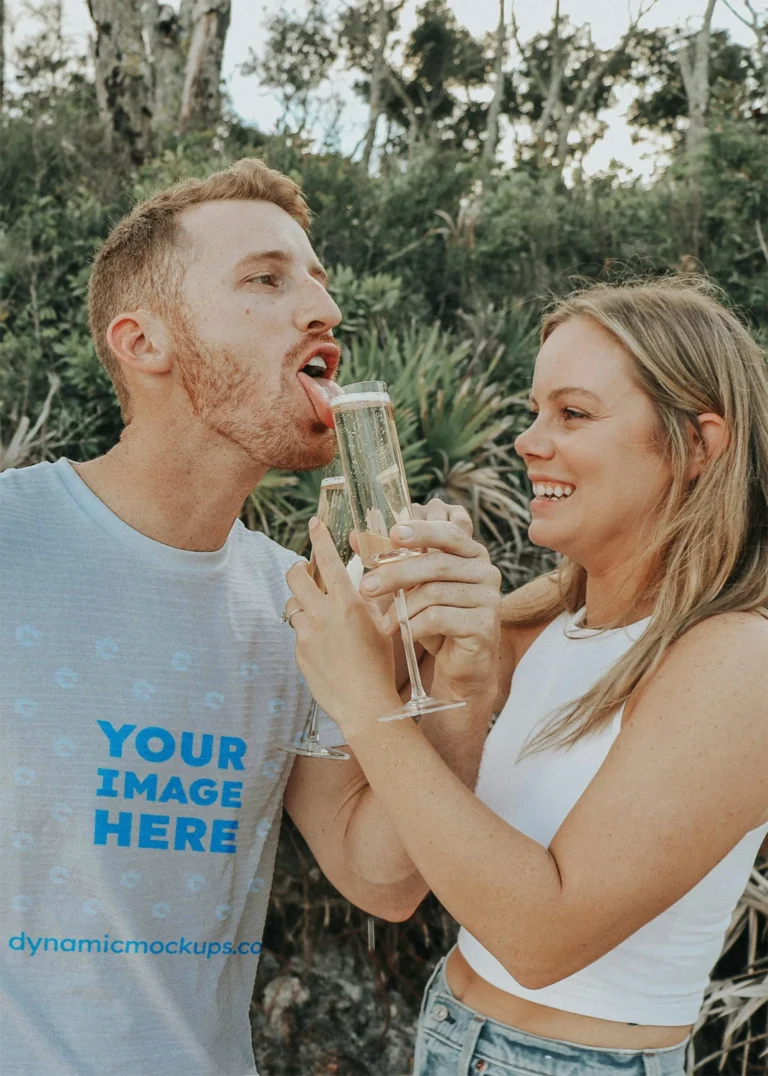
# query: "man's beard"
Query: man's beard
226,400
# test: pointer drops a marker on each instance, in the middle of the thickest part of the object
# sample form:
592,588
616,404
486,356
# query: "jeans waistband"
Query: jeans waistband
444,1015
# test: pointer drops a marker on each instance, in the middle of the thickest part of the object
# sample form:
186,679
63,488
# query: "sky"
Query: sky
608,19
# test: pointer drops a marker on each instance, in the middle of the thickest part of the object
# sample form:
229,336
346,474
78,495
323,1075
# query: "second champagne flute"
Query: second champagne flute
379,499
333,511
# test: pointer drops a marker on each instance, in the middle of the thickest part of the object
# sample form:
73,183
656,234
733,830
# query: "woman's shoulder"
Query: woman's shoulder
722,645
732,637
724,655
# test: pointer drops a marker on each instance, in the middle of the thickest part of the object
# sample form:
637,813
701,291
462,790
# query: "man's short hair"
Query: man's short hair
142,262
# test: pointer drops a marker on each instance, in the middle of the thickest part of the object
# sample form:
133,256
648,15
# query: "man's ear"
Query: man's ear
141,341
710,441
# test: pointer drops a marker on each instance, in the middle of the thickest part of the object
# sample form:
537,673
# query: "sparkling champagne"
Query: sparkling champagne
377,488
378,496
333,510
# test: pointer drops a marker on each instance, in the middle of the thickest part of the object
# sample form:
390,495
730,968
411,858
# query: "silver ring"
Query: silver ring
286,617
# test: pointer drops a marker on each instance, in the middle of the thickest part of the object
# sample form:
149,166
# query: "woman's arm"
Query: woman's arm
344,823
684,781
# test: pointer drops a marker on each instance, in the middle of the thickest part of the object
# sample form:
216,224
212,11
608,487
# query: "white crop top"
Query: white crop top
658,974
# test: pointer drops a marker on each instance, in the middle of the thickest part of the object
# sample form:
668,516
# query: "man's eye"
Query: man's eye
571,412
262,278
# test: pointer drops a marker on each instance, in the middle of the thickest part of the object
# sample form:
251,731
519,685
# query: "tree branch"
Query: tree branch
589,87
643,11
686,68
492,128
396,85
377,65
751,24
693,57
515,30
535,69
2,51
761,240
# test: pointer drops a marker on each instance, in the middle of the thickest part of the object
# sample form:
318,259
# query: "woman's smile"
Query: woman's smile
548,491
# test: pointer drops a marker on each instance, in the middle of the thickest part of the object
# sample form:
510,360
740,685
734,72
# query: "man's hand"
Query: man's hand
342,646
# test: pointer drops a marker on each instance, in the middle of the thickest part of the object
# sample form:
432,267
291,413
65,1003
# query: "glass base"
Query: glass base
314,749
418,707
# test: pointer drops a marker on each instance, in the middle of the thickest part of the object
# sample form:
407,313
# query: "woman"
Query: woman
623,792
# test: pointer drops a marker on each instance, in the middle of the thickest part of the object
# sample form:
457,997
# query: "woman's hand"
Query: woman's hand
453,598
342,645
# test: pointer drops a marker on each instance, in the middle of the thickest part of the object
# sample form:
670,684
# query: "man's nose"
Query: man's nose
318,312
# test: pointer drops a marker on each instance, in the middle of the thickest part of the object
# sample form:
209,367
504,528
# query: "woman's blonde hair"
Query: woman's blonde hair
709,552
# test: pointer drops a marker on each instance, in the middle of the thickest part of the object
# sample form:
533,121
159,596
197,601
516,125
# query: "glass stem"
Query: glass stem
417,688
311,724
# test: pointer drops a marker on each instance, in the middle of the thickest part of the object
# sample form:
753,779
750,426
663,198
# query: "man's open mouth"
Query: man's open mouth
322,361
316,367
316,377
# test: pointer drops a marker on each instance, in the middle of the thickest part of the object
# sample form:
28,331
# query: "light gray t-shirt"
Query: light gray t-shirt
145,692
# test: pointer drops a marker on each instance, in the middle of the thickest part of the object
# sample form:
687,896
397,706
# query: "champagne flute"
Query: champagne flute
378,498
333,511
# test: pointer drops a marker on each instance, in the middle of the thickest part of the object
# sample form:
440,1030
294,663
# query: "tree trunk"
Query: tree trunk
760,30
377,79
413,119
567,118
694,67
492,129
762,52
2,52
149,10
123,77
553,88
201,92
166,34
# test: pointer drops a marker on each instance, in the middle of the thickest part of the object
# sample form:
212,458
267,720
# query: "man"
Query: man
147,680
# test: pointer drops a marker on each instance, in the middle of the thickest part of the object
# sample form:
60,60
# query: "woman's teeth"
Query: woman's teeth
544,489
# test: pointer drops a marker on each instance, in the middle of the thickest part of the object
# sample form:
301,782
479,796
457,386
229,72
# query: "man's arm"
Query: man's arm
332,804
349,831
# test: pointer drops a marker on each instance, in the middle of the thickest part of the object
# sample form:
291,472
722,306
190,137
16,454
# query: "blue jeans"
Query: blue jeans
453,1040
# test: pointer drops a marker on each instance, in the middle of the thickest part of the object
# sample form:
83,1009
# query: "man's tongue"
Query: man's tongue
320,391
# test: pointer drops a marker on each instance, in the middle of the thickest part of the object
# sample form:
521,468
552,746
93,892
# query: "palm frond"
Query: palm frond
735,1006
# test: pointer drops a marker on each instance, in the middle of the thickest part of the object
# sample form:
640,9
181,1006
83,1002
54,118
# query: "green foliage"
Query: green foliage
455,423
299,49
661,104
578,57
371,301
441,266
445,60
